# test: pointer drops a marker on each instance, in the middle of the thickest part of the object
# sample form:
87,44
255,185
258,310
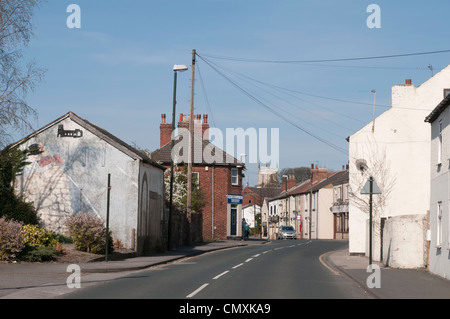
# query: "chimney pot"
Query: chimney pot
205,118
408,81
163,118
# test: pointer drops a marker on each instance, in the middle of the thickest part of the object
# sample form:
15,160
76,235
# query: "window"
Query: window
440,143
439,225
234,176
446,92
196,179
314,202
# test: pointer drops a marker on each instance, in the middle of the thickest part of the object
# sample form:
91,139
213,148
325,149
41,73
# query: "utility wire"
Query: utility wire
338,148
205,96
326,60
247,79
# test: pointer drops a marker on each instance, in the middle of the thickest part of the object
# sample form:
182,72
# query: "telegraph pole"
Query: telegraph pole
191,141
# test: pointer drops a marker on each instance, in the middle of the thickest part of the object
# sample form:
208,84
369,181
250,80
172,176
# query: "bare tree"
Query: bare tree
301,174
16,79
374,163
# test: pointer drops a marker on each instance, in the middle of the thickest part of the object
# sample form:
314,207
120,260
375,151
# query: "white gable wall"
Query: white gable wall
401,142
70,177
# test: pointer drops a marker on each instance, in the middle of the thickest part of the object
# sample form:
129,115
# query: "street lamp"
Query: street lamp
286,177
176,68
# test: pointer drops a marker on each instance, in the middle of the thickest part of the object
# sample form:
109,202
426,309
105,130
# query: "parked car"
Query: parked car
285,232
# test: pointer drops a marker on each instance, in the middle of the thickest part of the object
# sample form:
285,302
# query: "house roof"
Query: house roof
266,192
163,154
306,187
100,133
438,110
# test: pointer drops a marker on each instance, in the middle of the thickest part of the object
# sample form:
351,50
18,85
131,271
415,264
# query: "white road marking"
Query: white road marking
192,294
238,265
218,276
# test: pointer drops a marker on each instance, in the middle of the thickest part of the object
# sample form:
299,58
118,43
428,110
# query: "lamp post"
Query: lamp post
286,178
260,211
176,69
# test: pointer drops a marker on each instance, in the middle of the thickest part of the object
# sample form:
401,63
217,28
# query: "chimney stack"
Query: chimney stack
165,129
201,129
290,182
318,174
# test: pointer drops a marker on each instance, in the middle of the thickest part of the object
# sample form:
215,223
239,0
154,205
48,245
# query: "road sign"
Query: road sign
366,189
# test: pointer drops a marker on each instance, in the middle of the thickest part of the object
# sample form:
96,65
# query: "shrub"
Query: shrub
15,207
11,239
34,236
89,233
38,254
12,162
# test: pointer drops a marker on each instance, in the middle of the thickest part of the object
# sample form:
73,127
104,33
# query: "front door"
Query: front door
233,220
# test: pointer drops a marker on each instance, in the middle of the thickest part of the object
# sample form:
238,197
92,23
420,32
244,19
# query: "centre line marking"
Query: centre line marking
218,276
248,260
237,265
192,294
254,256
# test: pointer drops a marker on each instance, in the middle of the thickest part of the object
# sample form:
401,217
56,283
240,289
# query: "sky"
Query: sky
116,69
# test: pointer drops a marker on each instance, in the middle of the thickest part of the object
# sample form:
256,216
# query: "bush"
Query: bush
38,254
15,207
89,233
34,236
11,239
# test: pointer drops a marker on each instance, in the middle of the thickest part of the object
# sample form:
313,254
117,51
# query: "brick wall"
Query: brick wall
222,187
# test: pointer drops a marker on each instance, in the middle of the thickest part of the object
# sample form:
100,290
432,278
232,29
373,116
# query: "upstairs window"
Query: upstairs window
234,176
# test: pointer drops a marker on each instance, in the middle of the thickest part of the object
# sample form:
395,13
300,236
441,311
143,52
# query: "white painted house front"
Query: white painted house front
68,175
439,247
395,150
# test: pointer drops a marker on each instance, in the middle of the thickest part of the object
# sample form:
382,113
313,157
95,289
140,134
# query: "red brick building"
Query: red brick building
219,176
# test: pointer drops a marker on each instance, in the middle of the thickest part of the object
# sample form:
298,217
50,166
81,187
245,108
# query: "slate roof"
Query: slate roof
305,187
163,154
438,109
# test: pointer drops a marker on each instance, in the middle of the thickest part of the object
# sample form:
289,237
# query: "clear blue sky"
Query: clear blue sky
116,70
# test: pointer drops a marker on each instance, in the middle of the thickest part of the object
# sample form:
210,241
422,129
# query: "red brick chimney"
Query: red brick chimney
290,182
183,121
165,129
318,174
199,128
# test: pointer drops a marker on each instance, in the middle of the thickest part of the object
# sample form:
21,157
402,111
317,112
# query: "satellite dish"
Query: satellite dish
361,165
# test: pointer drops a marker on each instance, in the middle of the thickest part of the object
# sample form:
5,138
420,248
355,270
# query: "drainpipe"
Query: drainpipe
212,230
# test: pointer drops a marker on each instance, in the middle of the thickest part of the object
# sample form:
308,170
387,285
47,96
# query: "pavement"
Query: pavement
52,280
383,282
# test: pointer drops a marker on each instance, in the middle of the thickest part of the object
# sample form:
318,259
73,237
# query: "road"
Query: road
277,270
